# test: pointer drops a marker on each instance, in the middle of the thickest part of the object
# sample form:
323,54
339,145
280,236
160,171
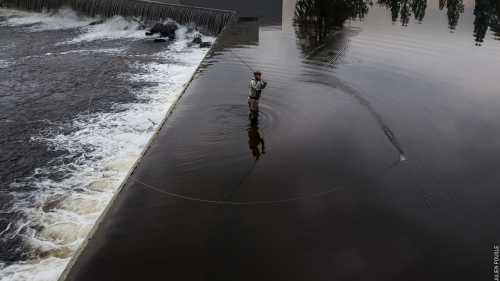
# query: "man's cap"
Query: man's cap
257,72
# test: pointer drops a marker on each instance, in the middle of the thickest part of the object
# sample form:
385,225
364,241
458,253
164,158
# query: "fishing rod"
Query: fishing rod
238,57
265,82
242,60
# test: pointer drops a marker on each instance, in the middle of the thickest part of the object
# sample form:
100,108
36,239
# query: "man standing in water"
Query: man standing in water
255,88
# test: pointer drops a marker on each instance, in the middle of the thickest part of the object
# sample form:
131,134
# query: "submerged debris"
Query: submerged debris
169,29
205,44
96,22
166,29
197,40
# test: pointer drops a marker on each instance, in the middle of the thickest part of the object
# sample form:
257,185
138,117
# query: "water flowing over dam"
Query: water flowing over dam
68,143
212,21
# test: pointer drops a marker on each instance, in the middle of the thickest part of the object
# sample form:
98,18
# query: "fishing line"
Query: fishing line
428,170
97,82
314,50
437,197
351,91
450,203
261,202
241,181
336,57
102,73
222,205
231,195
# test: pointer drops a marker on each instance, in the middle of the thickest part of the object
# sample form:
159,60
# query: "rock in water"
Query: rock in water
96,22
197,40
205,44
156,28
160,40
165,29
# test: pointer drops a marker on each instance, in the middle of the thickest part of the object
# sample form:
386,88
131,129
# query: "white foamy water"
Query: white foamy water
4,63
114,28
64,18
109,51
119,28
57,215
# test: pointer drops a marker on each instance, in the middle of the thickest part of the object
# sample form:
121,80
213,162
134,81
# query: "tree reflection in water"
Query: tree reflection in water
494,19
404,8
481,20
418,7
316,19
487,14
405,12
358,8
455,8
393,5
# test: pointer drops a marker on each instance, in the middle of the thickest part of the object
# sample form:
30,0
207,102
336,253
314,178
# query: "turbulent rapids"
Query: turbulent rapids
60,165
212,21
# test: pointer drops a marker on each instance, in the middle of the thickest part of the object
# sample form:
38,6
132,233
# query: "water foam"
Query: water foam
4,64
119,27
116,27
40,270
64,18
106,50
58,214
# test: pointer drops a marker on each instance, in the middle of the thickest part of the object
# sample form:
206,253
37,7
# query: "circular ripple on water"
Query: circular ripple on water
441,201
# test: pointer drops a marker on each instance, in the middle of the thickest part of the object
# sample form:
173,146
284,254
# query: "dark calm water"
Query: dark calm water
375,156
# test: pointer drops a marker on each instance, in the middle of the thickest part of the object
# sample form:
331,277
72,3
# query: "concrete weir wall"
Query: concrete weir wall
211,21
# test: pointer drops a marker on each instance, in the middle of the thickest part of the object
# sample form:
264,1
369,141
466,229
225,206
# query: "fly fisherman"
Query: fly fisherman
255,88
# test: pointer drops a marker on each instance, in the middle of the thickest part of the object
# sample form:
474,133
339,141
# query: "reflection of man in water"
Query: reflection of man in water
255,88
254,139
